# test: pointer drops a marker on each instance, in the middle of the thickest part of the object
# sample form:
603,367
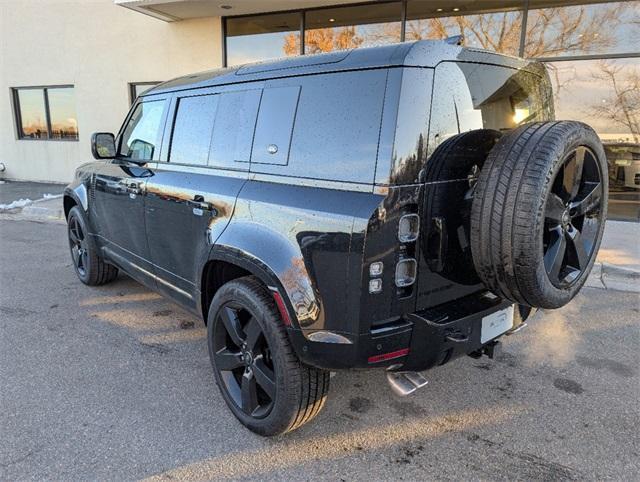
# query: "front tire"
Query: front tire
90,267
261,379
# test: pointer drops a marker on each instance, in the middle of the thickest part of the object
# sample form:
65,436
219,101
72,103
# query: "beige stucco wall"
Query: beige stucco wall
99,48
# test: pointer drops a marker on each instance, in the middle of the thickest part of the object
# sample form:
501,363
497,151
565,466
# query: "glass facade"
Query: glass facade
261,37
45,113
591,48
493,30
351,27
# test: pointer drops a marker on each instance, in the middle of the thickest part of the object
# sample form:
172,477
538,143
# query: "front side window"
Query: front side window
46,113
140,137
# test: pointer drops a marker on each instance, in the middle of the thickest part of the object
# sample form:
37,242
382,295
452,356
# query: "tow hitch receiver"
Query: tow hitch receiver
405,383
491,349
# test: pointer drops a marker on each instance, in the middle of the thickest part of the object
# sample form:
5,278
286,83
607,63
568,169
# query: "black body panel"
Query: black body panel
299,172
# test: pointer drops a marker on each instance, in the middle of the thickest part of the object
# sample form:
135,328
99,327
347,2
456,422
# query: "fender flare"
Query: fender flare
77,192
276,261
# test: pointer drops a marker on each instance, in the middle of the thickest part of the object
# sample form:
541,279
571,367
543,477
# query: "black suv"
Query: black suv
393,207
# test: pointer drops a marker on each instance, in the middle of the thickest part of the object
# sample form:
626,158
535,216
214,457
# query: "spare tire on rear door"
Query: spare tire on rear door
538,212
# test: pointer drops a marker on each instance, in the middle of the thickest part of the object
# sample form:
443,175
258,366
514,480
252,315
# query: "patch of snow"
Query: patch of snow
20,203
51,196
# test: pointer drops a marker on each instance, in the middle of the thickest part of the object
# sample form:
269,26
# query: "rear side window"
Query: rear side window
336,126
275,123
140,136
234,124
192,130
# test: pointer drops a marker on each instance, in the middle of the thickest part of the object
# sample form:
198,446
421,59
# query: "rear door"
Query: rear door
119,187
192,193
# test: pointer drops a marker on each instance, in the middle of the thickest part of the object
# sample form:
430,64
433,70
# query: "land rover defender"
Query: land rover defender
393,207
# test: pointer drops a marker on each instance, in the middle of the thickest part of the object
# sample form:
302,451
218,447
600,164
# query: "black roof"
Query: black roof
423,53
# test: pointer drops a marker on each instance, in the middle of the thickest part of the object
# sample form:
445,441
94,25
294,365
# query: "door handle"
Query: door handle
131,186
198,202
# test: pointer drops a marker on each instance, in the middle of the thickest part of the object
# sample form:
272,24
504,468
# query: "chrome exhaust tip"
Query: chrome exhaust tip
405,383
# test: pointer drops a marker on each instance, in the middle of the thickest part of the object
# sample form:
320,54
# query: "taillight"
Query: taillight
406,270
408,228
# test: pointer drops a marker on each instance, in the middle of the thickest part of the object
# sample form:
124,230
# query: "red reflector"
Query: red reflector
284,313
389,356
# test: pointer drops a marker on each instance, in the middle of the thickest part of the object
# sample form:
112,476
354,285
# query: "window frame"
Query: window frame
17,113
132,89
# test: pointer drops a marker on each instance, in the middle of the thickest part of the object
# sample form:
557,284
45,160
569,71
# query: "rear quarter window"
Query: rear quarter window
335,129
192,129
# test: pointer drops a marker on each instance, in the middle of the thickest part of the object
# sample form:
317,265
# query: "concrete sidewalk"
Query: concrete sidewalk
617,266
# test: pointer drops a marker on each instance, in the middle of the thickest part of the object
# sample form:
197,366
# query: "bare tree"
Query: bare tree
323,40
550,31
623,105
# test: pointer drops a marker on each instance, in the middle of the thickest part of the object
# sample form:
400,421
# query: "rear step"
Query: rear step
405,383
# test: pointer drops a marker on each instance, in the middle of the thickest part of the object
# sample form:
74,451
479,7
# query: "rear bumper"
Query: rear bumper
416,342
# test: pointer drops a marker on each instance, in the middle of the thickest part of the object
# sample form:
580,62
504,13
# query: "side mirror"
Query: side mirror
103,145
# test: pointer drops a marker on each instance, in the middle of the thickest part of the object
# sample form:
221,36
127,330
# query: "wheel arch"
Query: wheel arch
75,195
225,264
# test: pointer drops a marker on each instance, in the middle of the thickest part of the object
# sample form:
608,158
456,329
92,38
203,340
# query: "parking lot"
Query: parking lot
115,383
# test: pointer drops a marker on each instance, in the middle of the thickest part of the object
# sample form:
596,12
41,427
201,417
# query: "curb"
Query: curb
611,277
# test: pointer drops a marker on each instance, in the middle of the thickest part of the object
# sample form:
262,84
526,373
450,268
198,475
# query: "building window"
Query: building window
603,28
606,95
45,113
498,31
138,88
343,28
261,37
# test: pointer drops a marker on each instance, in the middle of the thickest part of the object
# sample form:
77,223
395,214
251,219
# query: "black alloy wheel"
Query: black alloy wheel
264,384
89,265
538,211
243,358
78,245
572,218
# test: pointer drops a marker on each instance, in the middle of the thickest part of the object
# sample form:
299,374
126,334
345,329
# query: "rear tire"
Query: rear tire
261,379
90,267
538,213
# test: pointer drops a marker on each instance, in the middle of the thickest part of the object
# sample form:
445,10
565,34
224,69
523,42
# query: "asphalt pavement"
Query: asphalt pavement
115,383
14,190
